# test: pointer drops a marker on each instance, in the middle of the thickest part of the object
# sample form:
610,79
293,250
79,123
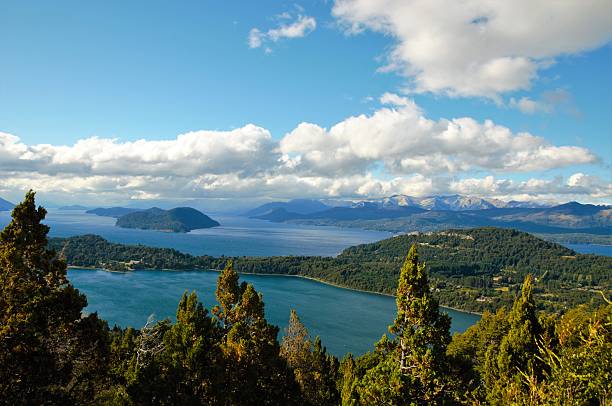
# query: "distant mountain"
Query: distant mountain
298,206
73,207
112,211
180,220
452,202
395,214
359,211
5,205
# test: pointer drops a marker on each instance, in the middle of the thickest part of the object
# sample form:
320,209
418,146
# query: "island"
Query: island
177,220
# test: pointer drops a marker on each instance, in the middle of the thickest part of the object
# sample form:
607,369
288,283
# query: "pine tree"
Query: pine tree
47,351
228,295
296,346
254,371
315,371
192,353
517,352
422,331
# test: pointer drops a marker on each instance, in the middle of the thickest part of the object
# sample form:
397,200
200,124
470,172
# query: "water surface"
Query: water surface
346,320
237,236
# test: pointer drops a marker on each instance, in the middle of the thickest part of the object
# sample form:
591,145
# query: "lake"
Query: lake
346,320
237,236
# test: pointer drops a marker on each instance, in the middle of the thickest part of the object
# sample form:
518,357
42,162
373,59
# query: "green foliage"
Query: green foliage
48,352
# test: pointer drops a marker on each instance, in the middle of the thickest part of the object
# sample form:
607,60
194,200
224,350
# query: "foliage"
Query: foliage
48,352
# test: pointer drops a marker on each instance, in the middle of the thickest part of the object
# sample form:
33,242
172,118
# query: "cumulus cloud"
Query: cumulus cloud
576,186
404,141
298,28
396,149
478,47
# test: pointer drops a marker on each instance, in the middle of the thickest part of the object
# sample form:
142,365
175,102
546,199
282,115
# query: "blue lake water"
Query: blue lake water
237,236
591,249
346,320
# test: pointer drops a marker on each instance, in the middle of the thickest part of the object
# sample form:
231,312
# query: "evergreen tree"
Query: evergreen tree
348,379
48,352
296,346
517,352
315,371
192,353
228,294
254,371
422,331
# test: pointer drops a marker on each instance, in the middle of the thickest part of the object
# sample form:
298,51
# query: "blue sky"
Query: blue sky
153,70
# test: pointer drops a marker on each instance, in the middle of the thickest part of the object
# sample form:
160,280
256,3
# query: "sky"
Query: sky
138,103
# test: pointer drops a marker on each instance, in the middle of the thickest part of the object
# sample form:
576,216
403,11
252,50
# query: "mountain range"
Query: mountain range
404,214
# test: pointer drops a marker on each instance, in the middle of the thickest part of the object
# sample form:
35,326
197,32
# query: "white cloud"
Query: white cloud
394,150
404,141
529,106
300,27
478,47
576,186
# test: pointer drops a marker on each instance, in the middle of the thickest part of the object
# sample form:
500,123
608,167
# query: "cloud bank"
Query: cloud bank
478,47
396,149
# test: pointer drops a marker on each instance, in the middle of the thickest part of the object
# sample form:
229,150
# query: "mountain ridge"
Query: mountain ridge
5,205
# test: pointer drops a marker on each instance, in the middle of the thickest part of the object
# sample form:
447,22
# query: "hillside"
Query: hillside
5,205
476,270
112,211
297,206
179,220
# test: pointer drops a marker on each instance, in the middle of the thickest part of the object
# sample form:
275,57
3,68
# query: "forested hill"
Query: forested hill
178,220
474,270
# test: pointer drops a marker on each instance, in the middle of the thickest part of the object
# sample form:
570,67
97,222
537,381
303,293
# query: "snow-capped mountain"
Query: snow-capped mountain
452,202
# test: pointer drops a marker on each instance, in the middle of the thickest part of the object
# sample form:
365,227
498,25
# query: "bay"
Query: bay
597,249
346,320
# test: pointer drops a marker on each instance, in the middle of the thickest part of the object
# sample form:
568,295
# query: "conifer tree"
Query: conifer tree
315,371
47,351
422,331
517,352
296,346
228,294
192,353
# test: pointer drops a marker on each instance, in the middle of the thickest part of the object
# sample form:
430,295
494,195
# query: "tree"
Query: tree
315,371
422,331
48,352
517,352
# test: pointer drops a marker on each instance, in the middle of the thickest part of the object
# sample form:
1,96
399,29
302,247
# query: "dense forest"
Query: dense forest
474,270
51,353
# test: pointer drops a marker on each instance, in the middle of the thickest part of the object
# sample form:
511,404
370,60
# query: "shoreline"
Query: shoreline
310,278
